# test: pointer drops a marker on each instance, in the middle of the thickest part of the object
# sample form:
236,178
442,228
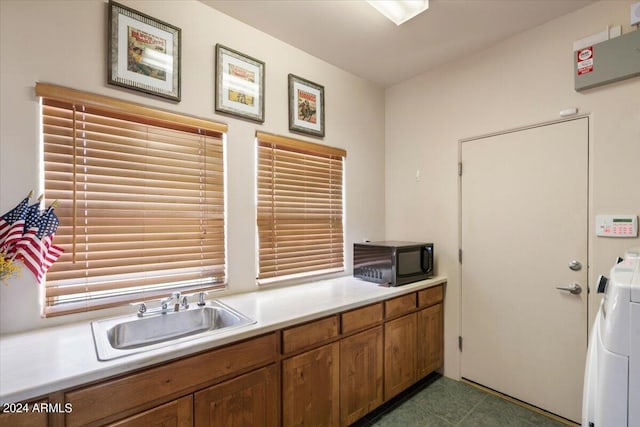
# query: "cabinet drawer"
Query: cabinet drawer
122,395
400,305
309,334
361,318
177,413
430,296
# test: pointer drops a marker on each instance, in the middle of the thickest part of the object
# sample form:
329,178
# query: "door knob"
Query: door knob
574,288
575,265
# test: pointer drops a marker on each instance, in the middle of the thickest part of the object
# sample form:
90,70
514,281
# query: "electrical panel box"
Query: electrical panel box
607,62
617,225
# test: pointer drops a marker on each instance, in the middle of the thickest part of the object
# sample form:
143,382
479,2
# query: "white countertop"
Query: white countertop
40,362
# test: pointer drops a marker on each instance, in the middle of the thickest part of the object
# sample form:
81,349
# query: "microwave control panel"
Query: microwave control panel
617,225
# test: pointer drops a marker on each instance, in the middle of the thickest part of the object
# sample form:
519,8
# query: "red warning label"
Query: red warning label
584,60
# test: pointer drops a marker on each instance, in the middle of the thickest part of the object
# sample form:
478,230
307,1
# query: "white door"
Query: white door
523,221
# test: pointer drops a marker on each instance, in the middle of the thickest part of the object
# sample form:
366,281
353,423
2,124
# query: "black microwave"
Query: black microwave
392,263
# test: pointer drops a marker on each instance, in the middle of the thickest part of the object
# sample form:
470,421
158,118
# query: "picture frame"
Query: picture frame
144,53
239,84
306,106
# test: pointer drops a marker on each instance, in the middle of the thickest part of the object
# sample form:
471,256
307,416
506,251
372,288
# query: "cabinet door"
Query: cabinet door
360,374
177,413
310,388
248,400
399,354
24,415
430,340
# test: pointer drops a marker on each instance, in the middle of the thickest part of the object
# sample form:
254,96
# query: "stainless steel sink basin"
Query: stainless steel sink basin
132,334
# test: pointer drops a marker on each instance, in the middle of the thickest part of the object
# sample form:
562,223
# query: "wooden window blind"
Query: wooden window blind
140,201
299,208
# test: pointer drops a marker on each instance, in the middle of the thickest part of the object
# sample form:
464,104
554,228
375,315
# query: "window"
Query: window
299,208
140,200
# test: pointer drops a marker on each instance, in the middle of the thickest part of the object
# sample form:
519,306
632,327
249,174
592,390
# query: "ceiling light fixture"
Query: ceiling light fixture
400,11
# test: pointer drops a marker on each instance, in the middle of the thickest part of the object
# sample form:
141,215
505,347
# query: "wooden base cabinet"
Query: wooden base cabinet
430,351
310,388
399,354
327,372
360,375
111,400
248,400
413,348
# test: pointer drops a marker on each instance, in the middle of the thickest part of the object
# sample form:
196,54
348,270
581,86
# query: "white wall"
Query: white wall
64,42
523,80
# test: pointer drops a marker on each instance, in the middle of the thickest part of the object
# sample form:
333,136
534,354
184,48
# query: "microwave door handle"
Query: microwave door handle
425,250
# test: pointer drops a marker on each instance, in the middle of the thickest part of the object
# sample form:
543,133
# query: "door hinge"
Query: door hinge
460,342
460,256
459,168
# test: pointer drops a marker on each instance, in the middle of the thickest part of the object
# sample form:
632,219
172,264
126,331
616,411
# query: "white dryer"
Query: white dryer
611,395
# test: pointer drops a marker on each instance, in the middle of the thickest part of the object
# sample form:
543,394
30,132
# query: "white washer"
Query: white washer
611,395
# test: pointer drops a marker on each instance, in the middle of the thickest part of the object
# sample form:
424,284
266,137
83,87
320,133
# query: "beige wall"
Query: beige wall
64,42
524,80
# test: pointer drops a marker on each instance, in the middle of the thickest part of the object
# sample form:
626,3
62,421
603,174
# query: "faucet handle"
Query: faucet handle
142,307
175,296
184,302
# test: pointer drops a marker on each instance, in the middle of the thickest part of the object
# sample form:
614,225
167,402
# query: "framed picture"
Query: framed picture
144,53
239,84
306,106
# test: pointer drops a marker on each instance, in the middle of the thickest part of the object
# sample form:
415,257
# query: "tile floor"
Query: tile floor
440,401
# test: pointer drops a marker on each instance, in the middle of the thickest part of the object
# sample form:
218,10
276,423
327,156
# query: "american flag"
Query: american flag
38,255
27,234
48,223
32,216
12,225
36,249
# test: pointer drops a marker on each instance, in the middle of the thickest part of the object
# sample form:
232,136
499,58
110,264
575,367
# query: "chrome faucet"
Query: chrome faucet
175,297
171,303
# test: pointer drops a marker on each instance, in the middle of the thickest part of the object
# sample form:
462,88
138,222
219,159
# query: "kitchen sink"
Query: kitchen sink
127,335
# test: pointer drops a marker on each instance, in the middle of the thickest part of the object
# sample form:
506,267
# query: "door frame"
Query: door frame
590,221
